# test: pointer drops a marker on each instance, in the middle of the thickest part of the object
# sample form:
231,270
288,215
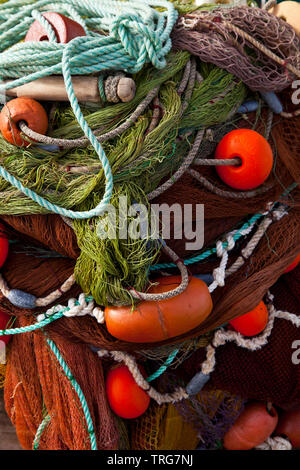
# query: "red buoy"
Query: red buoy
125,397
253,322
4,322
22,109
65,29
254,425
255,155
4,245
293,265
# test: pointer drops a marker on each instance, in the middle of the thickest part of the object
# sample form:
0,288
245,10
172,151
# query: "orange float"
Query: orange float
153,321
256,158
253,322
65,29
253,427
22,109
125,397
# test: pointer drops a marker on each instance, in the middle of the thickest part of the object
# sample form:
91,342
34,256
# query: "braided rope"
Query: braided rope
171,293
39,432
222,336
83,141
238,234
76,386
160,398
275,443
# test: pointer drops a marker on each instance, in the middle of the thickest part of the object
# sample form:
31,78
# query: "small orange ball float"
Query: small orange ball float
153,321
22,109
4,321
256,158
289,426
65,29
125,397
4,245
254,425
253,322
293,265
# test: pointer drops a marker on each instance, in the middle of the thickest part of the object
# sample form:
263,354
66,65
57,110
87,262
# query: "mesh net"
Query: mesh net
223,37
267,374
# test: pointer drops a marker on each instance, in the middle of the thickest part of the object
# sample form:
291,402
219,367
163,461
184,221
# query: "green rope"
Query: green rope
76,386
39,432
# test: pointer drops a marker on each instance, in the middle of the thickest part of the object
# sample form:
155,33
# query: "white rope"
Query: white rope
223,336
275,443
76,308
160,398
252,244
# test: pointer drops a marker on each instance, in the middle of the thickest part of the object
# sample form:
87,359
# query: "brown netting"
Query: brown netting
224,37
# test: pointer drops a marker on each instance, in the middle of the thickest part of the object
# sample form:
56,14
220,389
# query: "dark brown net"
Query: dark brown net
267,374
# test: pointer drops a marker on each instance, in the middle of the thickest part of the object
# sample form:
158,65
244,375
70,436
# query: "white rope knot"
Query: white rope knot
75,308
275,443
219,273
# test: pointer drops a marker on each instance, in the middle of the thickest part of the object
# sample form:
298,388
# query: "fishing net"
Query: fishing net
221,58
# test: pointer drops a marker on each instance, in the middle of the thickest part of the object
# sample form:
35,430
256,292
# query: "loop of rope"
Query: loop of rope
172,293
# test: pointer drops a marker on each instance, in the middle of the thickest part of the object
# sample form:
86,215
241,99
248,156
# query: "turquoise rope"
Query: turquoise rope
79,392
29,328
138,34
39,432
211,251
164,367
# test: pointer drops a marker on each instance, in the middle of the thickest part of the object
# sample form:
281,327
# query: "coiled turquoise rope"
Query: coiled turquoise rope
137,34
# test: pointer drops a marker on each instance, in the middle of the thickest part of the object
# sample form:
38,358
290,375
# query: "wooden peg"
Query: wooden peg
86,89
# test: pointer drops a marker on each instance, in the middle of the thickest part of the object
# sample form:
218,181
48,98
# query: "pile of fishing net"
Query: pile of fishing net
222,58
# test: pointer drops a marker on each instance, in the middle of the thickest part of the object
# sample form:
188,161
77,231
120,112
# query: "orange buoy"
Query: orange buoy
124,395
65,29
253,427
253,322
256,158
22,109
153,321
289,426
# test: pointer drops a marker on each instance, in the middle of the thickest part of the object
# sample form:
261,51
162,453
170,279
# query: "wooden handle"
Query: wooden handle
86,89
